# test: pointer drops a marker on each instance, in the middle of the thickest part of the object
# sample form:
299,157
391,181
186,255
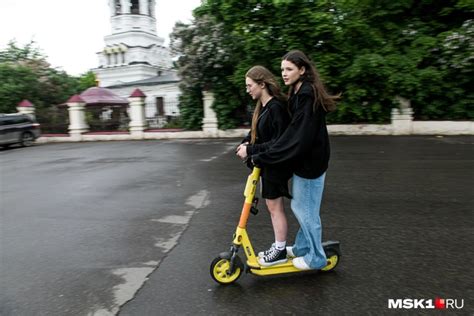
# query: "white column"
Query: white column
144,7
125,6
112,8
26,107
77,118
137,114
402,118
210,119
152,7
403,102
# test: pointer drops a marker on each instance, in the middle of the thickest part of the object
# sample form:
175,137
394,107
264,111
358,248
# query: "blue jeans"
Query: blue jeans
306,202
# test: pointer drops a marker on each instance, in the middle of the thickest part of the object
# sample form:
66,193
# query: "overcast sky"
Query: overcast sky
71,32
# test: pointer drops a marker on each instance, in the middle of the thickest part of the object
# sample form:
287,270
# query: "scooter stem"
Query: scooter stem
249,194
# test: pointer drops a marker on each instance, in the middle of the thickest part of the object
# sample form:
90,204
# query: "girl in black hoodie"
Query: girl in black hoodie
305,143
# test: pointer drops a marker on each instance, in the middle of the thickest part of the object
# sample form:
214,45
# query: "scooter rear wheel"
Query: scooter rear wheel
220,267
333,260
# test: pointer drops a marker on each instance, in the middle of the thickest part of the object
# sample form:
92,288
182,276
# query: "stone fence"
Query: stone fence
402,123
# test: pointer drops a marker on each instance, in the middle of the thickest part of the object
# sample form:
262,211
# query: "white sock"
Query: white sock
280,245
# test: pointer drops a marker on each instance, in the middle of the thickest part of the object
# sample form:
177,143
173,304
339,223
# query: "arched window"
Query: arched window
118,7
135,9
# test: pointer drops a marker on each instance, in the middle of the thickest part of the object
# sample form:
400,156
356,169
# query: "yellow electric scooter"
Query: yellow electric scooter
227,267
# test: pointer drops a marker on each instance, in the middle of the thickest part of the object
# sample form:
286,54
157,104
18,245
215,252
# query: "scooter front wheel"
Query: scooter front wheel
220,270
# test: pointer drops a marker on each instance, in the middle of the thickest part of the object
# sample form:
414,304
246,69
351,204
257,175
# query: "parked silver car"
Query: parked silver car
18,129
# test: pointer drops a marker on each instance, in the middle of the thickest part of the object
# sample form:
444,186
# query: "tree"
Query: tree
371,51
25,74
407,54
86,81
16,83
204,59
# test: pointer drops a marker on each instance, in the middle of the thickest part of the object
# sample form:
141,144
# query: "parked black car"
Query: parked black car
18,129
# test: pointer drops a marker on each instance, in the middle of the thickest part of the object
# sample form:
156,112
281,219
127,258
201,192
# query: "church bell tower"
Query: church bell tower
133,51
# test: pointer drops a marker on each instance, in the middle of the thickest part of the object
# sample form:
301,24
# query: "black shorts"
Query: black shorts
274,189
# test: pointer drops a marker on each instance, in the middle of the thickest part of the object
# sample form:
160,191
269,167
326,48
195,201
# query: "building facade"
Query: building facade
134,56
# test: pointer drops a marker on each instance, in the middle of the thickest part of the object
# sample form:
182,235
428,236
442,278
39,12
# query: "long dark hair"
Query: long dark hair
311,75
260,75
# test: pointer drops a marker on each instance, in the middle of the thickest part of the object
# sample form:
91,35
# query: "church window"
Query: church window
135,9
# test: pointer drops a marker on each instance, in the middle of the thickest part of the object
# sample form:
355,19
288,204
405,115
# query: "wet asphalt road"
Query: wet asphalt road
86,224
82,225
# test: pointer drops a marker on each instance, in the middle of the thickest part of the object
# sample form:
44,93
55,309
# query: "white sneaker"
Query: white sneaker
300,264
289,252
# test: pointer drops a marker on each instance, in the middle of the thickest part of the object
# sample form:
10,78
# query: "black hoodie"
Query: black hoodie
305,142
272,122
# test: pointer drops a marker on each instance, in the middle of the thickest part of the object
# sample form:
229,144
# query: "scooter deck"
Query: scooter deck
286,267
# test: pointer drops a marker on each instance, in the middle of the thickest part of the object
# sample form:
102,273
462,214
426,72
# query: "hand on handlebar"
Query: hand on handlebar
241,151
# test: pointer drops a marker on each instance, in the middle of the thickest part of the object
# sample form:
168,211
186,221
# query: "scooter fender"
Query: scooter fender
332,245
225,255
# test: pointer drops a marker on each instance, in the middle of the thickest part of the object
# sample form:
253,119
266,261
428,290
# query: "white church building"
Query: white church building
134,57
